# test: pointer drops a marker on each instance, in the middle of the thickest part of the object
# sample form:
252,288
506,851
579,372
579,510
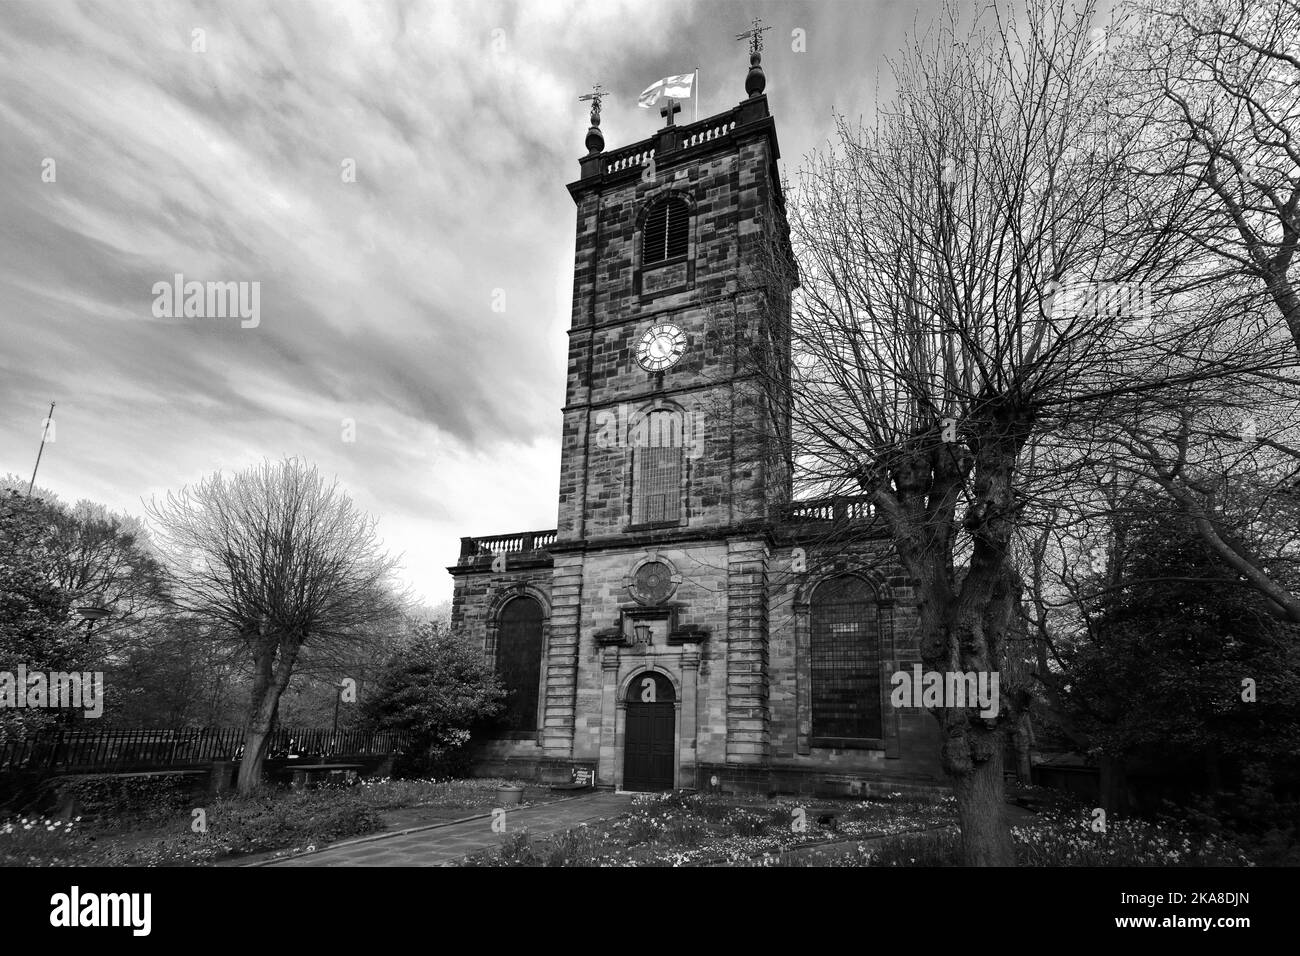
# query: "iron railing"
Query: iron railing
87,751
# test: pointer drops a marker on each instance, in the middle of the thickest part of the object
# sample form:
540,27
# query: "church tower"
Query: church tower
676,629
670,463
674,290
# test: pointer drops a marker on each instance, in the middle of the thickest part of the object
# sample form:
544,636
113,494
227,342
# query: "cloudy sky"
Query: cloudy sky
133,148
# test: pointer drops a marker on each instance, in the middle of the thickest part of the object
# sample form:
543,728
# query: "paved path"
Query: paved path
441,844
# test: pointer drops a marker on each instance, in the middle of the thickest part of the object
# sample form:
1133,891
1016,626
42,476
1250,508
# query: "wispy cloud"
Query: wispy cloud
227,164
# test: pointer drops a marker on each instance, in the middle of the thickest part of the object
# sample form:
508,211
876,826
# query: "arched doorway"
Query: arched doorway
650,748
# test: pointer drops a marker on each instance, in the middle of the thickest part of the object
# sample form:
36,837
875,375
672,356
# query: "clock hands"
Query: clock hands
661,347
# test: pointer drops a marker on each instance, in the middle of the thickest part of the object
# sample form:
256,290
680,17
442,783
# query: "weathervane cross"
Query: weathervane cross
755,36
594,96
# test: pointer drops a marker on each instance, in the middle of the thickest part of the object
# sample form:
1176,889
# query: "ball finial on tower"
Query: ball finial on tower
755,81
595,141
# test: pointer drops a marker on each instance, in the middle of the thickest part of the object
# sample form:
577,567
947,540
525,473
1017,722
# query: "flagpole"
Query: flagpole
40,451
697,95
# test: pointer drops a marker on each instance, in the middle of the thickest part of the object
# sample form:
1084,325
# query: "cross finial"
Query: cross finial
595,97
755,36
595,139
670,107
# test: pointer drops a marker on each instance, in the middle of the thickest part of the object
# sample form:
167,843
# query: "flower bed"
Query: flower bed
1061,837
698,830
691,830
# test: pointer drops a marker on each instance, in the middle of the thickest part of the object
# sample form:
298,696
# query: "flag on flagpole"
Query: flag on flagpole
674,87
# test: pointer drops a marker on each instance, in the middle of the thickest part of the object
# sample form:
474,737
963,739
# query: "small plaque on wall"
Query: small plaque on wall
584,776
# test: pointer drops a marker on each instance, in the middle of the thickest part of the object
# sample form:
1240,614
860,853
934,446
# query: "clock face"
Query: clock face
660,347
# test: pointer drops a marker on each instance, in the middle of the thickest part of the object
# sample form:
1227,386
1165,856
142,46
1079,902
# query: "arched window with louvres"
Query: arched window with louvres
667,232
658,467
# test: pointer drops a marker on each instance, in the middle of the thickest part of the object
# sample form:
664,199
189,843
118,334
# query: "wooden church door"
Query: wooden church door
650,751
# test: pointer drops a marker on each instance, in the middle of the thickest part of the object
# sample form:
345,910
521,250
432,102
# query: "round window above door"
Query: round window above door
653,581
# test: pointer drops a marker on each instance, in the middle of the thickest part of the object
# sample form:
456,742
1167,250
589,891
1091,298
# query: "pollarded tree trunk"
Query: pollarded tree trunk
261,712
981,805
972,745
250,766
964,628
268,685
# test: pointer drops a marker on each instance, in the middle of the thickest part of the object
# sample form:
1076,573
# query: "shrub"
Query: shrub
436,686
1265,826
436,762
132,799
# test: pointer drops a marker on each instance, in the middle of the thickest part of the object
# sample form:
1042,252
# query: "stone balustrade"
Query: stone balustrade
840,508
492,545
836,509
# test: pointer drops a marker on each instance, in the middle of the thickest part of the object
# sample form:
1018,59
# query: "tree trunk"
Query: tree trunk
1023,740
964,629
268,685
973,747
264,703
985,836
250,767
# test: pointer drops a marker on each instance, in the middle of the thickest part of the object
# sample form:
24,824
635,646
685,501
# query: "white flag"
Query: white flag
676,87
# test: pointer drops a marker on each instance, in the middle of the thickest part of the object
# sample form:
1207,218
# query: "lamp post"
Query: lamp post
92,613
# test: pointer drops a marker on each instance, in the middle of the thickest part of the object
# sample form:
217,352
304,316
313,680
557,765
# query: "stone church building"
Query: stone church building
687,624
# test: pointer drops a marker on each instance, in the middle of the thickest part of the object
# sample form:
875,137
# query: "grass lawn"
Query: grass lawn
276,822
701,830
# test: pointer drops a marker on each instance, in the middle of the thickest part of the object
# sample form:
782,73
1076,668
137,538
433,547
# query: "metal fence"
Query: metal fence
88,751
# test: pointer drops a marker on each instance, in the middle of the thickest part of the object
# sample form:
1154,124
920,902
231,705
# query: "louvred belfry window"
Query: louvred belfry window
658,461
658,495
667,232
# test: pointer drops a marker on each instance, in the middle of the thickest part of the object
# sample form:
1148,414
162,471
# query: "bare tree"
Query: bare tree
279,559
1222,78
1217,84
975,308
